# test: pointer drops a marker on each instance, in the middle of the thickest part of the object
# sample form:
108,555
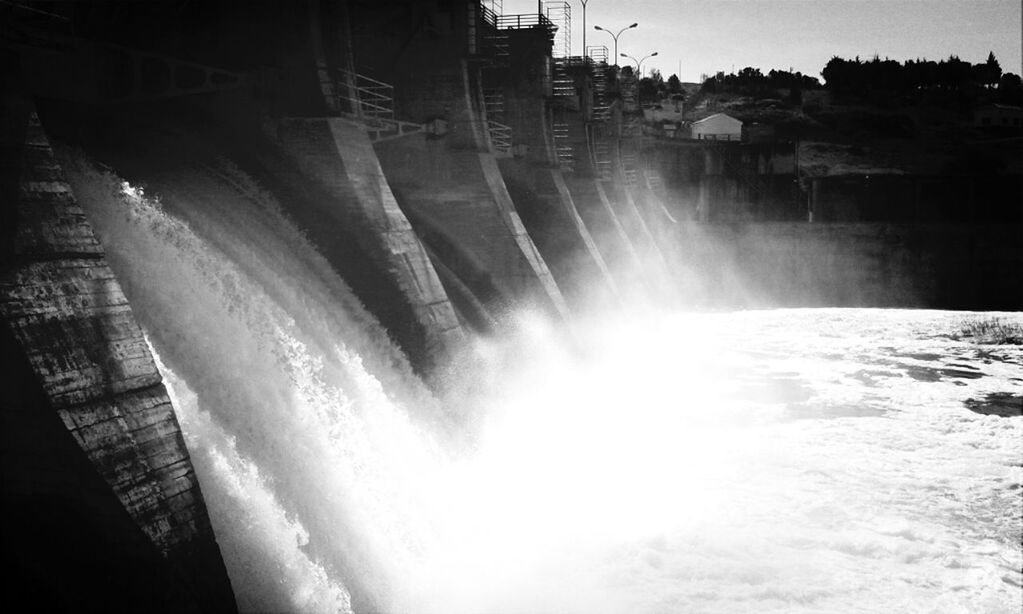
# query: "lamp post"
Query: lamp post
639,63
584,28
615,36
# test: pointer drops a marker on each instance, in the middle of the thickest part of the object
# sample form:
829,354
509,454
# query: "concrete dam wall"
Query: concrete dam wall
80,370
312,233
853,265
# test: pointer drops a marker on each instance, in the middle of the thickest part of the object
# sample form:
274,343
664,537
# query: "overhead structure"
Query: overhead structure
560,14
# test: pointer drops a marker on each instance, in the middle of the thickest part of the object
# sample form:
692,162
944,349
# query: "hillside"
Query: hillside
842,136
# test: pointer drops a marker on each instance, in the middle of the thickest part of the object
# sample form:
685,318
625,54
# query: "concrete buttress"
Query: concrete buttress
337,154
68,325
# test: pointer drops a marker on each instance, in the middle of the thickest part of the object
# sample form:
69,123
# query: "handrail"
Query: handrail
519,22
366,97
574,60
500,136
488,16
598,53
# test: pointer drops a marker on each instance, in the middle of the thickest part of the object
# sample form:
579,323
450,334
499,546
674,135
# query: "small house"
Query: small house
717,127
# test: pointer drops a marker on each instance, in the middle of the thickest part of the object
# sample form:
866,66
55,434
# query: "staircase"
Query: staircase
493,100
601,103
500,138
563,86
629,168
564,151
600,152
563,92
497,47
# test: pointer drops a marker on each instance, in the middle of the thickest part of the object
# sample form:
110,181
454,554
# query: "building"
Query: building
717,127
999,116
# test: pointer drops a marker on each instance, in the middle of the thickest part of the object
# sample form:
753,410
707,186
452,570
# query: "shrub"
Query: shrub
991,330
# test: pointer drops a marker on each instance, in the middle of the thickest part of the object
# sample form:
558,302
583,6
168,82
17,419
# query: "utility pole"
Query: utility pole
584,28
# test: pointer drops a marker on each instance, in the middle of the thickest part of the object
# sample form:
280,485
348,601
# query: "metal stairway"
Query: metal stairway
493,101
600,150
500,138
564,151
563,86
563,94
500,133
601,103
630,170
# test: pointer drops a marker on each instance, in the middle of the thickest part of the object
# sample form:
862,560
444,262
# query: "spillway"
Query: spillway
792,460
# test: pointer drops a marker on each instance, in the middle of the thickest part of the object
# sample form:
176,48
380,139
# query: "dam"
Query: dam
397,307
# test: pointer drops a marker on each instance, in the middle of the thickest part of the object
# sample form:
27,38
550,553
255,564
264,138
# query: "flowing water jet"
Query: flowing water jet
781,460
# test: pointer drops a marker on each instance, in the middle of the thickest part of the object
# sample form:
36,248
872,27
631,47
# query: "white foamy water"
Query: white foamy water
789,461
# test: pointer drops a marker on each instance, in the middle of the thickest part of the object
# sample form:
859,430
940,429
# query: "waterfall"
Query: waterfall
772,461
296,407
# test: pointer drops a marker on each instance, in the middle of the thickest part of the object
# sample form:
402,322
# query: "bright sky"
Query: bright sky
706,36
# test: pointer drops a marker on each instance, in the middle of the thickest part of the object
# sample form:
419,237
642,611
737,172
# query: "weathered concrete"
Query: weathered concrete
632,221
453,191
595,207
727,181
448,182
855,265
458,202
603,224
65,310
548,212
534,179
337,154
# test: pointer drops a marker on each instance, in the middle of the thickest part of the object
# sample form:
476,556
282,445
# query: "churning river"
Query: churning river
767,461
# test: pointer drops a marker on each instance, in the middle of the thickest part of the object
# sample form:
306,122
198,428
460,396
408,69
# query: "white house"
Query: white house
717,127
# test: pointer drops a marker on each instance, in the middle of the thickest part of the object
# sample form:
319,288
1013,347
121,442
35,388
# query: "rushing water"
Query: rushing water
790,461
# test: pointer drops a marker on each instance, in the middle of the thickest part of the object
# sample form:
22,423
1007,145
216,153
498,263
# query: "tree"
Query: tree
658,80
989,73
674,85
1010,89
648,90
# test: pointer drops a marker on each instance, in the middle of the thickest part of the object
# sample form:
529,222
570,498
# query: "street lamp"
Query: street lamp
615,36
639,63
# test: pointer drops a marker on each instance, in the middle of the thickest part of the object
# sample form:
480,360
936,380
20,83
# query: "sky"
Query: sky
706,36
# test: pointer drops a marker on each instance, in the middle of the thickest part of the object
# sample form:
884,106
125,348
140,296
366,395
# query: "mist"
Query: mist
644,459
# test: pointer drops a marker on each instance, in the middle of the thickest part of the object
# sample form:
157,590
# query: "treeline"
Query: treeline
950,80
655,87
952,75
751,82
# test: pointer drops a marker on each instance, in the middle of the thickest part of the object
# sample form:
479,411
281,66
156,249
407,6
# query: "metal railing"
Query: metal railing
365,97
488,15
598,53
562,84
493,102
601,103
372,102
500,137
560,14
521,22
564,151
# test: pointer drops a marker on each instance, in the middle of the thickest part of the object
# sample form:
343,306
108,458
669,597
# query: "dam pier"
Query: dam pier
450,167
